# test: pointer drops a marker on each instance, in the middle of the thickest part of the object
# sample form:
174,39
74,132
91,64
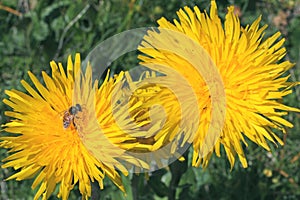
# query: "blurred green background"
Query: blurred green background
32,33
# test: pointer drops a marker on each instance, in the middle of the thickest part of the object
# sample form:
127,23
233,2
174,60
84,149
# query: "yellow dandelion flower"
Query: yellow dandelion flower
252,73
52,129
153,114
157,108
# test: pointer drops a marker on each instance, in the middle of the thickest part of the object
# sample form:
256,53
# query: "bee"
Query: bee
70,115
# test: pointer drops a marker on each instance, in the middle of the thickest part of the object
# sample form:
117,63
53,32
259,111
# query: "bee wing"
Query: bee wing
66,118
66,124
62,113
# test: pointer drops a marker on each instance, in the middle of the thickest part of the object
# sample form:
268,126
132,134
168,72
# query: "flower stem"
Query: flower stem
95,191
177,168
134,186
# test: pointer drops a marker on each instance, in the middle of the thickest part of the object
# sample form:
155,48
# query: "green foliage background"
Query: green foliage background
54,29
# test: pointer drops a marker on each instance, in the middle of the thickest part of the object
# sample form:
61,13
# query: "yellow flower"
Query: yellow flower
157,108
253,78
62,146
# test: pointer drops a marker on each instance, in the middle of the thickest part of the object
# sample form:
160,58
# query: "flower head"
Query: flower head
252,73
154,108
64,133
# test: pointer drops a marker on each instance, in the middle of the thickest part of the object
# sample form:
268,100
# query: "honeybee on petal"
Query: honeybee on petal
70,115
67,119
